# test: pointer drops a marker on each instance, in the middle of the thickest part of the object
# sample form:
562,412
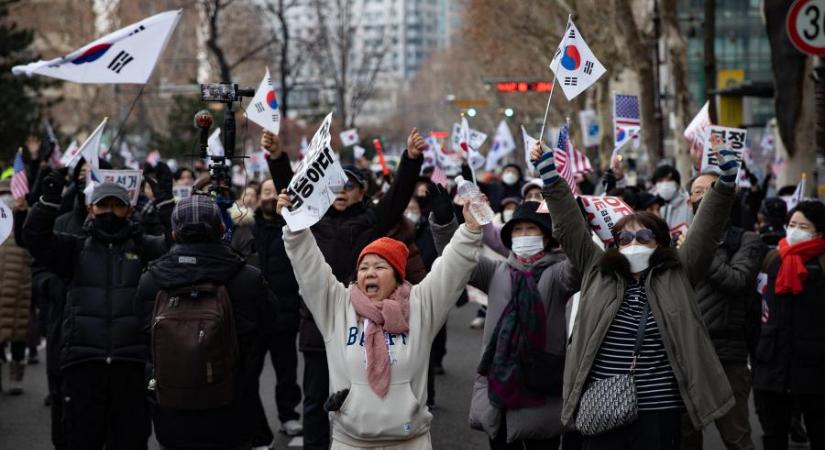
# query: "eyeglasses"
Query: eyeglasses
643,236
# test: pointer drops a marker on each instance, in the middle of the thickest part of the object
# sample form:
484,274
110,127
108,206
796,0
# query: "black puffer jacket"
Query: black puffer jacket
724,294
790,356
262,244
253,307
102,320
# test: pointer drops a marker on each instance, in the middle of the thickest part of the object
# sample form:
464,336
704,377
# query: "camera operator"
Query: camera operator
104,349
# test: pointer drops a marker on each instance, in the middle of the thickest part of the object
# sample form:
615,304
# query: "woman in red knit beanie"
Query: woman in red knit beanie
378,332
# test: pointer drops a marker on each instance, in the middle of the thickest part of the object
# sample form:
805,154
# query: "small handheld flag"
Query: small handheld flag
263,109
19,180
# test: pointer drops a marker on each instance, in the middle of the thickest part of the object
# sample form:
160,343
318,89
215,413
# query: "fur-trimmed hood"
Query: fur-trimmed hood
614,262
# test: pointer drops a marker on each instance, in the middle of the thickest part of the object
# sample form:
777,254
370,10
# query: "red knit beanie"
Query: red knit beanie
395,252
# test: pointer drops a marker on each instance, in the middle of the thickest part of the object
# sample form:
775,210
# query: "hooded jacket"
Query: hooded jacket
102,320
253,307
559,281
366,420
670,289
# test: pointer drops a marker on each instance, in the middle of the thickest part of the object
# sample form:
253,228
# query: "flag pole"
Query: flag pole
553,86
128,113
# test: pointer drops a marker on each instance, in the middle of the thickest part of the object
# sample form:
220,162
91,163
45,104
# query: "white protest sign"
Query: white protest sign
181,192
696,130
129,179
317,179
6,222
734,139
603,213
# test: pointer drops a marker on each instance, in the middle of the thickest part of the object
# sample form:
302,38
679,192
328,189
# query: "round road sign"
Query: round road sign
806,26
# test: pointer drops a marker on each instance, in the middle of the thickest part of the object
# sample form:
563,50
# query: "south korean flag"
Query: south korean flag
575,66
263,109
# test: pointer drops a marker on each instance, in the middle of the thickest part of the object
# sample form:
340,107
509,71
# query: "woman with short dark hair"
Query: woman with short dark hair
638,317
790,358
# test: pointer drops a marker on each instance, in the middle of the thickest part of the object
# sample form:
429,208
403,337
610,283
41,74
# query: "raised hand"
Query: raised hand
545,163
53,186
283,201
469,219
728,161
415,144
272,143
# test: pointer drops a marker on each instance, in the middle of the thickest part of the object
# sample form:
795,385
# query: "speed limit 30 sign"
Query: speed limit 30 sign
806,26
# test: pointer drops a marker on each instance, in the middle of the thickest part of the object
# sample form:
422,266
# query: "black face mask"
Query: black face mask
268,206
109,223
696,206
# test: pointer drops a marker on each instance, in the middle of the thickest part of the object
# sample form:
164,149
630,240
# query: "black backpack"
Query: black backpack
194,347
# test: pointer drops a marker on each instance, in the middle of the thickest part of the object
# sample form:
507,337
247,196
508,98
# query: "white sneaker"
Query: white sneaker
263,447
292,428
477,323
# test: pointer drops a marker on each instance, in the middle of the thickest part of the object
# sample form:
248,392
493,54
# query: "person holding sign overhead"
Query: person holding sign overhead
343,231
378,331
639,335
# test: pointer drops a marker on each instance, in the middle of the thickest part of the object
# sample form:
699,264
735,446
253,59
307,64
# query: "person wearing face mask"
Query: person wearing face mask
667,185
508,208
723,297
378,330
510,185
104,349
638,315
789,366
517,392
351,223
531,191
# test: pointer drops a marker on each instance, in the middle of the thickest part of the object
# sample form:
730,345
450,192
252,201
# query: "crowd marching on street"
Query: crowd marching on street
615,311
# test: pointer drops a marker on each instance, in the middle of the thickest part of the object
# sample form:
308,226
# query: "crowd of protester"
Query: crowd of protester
707,295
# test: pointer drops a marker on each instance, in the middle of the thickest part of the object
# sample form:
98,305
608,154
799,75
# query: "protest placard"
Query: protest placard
733,138
6,222
317,179
130,179
603,213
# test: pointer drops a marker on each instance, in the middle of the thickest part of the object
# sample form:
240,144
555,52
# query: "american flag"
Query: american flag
581,163
561,157
438,176
19,181
626,110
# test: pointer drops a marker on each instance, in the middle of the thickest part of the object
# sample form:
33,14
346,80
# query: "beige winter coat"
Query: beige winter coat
15,290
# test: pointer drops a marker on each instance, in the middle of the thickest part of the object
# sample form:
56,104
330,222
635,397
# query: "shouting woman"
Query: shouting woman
378,333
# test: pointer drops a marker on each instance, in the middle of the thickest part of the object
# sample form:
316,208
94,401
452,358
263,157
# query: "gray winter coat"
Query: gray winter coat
558,282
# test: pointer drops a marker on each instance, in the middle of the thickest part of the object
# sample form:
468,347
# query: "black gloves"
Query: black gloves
160,182
336,400
52,187
609,180
442,205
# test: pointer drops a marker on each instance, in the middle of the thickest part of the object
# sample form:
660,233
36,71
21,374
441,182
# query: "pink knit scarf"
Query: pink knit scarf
391,315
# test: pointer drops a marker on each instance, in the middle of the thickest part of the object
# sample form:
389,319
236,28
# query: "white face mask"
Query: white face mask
797,235
412,216
638,256
527,246
667,189
507,214
509,178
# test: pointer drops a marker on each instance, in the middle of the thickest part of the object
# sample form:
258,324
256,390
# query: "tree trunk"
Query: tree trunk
677,61
637,44
285,63
212,42
709,32
803,158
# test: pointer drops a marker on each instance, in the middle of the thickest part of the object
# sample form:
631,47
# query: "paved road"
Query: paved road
24,421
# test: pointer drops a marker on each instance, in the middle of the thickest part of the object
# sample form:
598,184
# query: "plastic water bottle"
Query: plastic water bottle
469,192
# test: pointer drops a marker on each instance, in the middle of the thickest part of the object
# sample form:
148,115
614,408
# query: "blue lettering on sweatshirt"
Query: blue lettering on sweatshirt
356,335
